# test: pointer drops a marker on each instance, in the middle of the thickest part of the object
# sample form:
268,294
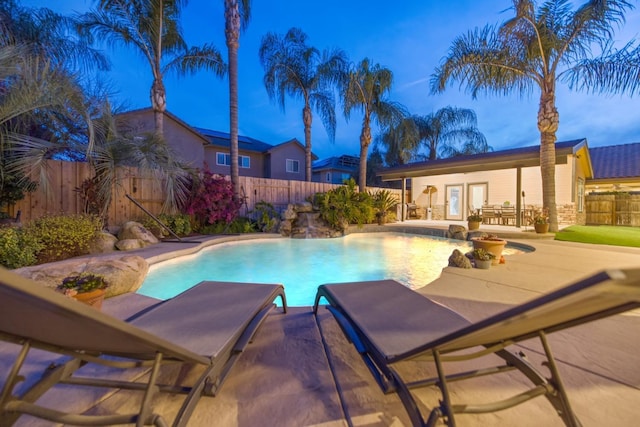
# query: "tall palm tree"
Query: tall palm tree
236,16
537,48
364,89
450,132
153,28
301,71
401,143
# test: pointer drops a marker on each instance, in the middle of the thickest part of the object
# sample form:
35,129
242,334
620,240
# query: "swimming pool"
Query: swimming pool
301,265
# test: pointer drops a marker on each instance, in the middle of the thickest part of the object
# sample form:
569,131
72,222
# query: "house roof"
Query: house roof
504,159
616,161
343,163
149,110
223,139
293,141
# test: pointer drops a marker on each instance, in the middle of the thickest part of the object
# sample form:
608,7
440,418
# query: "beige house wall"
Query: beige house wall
279,156
256,162
185,144
502,187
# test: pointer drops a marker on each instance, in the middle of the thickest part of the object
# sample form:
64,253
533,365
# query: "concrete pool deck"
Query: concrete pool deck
284,378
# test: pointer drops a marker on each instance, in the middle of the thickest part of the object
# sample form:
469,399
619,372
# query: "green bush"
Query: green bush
64,236
266,216
237,226
344,205
178,223
18,248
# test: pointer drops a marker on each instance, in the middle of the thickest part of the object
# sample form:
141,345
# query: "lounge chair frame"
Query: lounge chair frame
209,382
593,298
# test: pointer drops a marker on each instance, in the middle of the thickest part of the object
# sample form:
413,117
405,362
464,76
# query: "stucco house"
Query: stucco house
335,170
451,188
200,146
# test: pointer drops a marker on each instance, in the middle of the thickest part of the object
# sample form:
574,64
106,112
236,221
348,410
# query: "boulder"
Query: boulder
135,230
458,232
290,213
124,273
304,207
458,259
130,244
104,243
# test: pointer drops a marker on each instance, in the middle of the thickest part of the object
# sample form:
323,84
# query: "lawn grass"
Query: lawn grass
601,235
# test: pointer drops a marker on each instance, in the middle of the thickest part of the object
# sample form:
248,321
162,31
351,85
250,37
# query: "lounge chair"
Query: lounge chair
208,325
388,323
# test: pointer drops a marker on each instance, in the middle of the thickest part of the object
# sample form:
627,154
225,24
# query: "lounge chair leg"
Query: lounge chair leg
152,389
13,378
567,414
446,407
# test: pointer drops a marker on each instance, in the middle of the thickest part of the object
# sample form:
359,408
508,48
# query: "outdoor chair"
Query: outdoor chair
207,326
489,215
508,215
389,324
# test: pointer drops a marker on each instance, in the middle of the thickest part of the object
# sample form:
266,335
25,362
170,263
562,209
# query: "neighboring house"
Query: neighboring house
256,158
187,143
199,146
335,170
454,187
615,168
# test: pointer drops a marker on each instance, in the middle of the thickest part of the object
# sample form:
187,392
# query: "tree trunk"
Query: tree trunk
307,119
159,104
548,120
365,140
232,32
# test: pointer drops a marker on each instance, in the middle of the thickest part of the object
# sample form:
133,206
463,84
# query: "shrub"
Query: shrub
238,225
344,205
179,223
64,236
211,199
383,201
18,248
266,216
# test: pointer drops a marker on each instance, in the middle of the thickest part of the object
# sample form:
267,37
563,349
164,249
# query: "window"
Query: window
244,162
224,159
580,195
293,166
328,176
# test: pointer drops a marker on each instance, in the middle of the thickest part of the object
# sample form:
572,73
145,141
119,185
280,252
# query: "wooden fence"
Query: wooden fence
613,209
65,177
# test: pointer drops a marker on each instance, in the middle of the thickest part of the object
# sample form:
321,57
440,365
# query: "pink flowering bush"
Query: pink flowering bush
211,200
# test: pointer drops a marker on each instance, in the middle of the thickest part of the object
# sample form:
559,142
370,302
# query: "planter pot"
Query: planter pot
493,246
473,225
93,298
541,228
483,264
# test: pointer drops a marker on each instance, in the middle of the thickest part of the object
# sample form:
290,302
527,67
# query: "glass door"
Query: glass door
453,202
477,196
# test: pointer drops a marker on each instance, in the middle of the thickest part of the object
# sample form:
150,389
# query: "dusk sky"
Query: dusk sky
409,37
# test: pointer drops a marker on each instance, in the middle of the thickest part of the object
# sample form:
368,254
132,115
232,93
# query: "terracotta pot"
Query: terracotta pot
493,246
541,228
93,298
473,225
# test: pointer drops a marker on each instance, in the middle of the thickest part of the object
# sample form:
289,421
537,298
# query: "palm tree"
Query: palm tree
236,16
363,89
152,27
450,132
301,71
538,49
401,143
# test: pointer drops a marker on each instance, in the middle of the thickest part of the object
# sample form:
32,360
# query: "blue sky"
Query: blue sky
409,39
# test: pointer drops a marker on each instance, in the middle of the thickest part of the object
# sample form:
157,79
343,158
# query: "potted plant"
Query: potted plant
541,223
88,288
383,201
490,243
474,220
482,258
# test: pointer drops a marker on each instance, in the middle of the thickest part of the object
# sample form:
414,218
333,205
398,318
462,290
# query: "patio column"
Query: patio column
404,198
518,196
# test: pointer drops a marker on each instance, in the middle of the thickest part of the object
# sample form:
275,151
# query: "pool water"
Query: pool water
301,265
